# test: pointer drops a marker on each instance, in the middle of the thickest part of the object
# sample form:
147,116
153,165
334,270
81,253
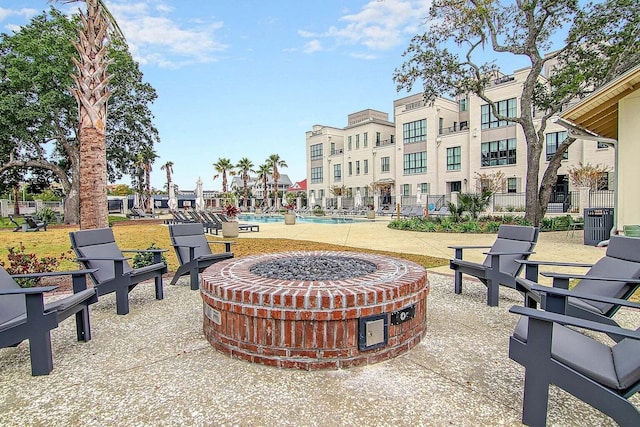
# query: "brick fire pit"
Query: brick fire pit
321,321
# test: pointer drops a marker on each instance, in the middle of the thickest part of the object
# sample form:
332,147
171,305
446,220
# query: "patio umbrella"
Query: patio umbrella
173,202
419,196
312,199
199,195
358,200
284,198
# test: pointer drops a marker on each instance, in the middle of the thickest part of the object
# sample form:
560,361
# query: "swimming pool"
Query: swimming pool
303,219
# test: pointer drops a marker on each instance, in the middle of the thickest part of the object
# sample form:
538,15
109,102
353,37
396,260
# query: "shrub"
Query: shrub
474,203
469,227
230,211
46,214
21,262
492,227
142,259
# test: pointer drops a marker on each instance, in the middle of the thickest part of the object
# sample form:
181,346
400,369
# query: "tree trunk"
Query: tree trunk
147,177
534,212
72,207
93,180
16,196
245,178
71,189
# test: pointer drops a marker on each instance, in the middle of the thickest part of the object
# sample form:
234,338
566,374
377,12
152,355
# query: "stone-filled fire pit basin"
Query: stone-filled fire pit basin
314,310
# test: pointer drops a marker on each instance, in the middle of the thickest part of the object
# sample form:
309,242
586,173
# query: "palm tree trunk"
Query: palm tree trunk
244,182
93,179
91,94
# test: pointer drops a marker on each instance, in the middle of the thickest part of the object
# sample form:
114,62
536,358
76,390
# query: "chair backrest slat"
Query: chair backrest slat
11,306
189,235
98,243
622,260
517,239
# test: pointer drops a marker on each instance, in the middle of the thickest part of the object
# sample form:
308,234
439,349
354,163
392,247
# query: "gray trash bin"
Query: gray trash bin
598,223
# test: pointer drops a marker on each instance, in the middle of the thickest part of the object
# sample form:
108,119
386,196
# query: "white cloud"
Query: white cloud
312,46
154,37
379,25
24,12
366,56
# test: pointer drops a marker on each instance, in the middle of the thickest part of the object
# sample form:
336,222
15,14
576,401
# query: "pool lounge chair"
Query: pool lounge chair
35,225
417,211
17,227
29,224
405,212
241,226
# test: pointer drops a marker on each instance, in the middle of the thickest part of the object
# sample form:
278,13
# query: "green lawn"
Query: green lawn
138,235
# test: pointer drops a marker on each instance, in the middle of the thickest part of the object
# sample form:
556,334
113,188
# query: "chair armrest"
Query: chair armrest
157,253
222,241
469,247
102,259
185,246
144,250
575,276
561,280
55,273
458,249
561,319
564,293
528,262
532,266
227,244
27,291
78,277
508,253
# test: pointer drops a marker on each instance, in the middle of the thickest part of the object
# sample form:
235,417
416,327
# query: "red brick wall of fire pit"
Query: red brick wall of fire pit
310,324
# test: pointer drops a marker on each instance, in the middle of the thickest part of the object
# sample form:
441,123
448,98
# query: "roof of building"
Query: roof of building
299,186
598,112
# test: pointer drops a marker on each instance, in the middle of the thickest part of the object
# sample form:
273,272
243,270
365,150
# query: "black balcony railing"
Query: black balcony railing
454,129
384,142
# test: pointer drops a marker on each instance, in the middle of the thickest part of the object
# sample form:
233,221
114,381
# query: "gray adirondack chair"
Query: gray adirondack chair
616,275
193,251
25,316
514,242
601,375
97,249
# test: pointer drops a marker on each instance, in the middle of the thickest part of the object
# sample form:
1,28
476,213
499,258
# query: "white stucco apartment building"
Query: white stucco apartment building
437,149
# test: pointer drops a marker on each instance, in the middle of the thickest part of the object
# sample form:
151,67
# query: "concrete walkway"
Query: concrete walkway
154,367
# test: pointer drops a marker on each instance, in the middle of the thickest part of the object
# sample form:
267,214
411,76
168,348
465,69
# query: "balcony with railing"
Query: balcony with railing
456,128
385,142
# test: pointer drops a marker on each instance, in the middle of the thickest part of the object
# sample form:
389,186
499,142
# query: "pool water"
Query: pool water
302,219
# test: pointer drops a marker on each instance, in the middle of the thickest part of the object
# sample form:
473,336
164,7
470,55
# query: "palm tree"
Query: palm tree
168,168
275,162
148,156
264,171
223,166
91,93
245,166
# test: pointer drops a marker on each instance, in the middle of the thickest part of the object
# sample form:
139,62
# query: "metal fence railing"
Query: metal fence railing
602,199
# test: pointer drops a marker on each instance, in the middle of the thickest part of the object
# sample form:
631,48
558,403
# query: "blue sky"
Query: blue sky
248,78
